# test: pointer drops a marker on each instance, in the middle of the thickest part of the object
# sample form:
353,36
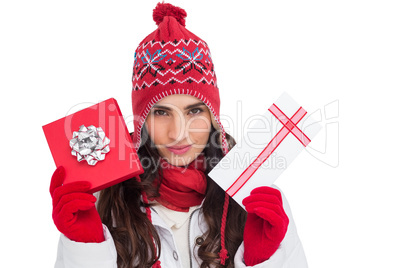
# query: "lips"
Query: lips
179,149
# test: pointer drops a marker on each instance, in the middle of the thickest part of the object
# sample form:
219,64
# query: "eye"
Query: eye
196,111
159,112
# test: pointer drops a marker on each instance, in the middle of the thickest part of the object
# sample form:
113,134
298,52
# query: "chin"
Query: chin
180,160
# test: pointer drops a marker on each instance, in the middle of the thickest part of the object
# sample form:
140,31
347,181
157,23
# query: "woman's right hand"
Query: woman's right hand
74,212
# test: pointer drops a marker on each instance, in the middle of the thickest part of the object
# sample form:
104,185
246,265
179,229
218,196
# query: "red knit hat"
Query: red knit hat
173,60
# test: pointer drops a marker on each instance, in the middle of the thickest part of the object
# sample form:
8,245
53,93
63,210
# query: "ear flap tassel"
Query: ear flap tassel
223,254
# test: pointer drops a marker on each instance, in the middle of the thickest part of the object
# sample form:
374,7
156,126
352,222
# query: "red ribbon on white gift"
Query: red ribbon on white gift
289,126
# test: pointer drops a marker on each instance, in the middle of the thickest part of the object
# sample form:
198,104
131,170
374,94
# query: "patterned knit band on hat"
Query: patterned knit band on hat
173,60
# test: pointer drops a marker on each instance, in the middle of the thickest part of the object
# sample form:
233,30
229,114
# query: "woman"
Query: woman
174,215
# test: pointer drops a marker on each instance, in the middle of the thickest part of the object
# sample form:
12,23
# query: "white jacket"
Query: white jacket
72,254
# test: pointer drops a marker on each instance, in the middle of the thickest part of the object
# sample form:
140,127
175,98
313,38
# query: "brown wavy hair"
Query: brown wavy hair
123,212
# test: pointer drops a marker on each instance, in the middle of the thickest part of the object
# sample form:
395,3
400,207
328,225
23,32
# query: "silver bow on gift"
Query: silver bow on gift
90,144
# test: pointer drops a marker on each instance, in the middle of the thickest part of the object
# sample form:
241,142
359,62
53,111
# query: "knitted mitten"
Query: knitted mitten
74,212
266,224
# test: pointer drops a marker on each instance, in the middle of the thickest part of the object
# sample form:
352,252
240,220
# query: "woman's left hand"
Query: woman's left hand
266,224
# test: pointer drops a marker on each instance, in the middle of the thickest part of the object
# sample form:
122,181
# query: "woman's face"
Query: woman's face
179,126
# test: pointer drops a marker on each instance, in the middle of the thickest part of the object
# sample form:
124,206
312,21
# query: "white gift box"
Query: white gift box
267,148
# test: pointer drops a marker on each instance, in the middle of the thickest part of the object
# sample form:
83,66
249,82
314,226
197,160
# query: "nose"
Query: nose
177,129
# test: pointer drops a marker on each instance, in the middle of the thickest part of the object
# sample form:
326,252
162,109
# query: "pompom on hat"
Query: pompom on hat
173,60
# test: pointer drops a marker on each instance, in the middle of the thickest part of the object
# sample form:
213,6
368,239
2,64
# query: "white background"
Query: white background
57,55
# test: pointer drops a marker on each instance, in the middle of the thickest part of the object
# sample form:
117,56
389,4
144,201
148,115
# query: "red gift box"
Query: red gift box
120,161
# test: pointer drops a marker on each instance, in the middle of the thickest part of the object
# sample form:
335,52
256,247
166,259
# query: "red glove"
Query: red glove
266,224
74,212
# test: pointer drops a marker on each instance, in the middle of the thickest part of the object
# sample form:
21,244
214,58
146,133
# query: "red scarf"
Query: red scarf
182,187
